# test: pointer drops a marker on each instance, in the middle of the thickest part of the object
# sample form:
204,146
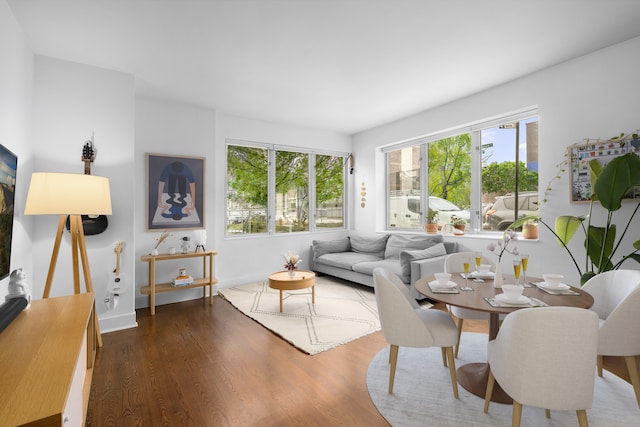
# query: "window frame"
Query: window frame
271,187
474,129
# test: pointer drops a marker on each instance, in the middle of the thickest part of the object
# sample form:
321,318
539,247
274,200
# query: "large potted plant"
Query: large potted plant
432,221
611,184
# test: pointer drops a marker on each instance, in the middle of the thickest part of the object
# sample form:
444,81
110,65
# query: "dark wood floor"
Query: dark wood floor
195,364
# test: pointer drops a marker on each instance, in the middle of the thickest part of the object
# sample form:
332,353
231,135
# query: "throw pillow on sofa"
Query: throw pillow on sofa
330,246
407,256
367,243
404,242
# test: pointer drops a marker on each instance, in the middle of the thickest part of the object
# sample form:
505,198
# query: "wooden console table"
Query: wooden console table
46,363
207,279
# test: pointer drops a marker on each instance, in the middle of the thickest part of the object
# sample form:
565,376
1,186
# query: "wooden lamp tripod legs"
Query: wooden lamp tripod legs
77,246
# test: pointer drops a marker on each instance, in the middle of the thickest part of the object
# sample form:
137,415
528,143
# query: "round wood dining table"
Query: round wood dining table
473,376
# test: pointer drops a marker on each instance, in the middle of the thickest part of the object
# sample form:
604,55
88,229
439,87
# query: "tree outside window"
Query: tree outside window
248,191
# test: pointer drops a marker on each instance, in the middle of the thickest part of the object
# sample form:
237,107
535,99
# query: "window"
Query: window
247,189
330,174
277,190
449,168
469,173
404,207
292,191
509,192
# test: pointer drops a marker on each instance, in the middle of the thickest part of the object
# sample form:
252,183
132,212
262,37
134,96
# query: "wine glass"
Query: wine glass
516,269
478,262
466,265
525,262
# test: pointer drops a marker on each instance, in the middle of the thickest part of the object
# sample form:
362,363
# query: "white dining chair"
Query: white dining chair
616,296
545,357
454,263
405,324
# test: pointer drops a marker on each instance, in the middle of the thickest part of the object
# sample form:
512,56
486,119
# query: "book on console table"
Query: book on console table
182,281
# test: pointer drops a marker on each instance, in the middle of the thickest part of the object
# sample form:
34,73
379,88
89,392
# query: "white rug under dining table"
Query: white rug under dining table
422,394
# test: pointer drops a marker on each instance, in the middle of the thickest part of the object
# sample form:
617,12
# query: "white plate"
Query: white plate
436,285
489,275
521,299
560,287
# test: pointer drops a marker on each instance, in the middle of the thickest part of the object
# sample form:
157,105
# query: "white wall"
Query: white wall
594,96
165,128
16,92
170,129
71,102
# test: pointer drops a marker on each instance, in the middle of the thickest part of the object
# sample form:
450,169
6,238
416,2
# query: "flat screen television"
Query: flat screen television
8,166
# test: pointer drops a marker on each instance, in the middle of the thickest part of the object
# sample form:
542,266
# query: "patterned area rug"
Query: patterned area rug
342,312
422,391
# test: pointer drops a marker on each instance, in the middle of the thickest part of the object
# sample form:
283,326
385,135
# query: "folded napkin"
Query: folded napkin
556,292
535,302
436,288
472,274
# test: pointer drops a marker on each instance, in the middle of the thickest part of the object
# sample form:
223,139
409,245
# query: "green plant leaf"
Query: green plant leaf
595,168
596,245
586,276
616,180
635,256
566,226
636,244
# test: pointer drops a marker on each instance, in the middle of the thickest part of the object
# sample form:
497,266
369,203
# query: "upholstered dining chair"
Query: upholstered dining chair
405,324
545,357
454,263
616,296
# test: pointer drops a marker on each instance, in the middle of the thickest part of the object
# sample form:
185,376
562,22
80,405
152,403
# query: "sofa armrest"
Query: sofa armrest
311,259
423,268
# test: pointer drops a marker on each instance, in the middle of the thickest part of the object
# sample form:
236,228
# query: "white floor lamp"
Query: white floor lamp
72,195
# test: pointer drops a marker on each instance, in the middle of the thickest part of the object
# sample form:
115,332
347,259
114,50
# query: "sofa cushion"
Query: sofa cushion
451,247
368,243
401,242
345,259
392,265
321,247
407,256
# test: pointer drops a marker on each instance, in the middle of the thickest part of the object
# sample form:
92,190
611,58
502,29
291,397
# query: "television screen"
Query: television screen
8,166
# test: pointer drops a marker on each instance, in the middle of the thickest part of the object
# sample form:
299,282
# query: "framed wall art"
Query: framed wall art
175,192
604,151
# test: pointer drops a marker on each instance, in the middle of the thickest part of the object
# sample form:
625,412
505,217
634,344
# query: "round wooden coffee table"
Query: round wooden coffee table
300,279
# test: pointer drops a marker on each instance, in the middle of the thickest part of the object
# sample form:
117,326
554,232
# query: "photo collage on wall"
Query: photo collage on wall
604,151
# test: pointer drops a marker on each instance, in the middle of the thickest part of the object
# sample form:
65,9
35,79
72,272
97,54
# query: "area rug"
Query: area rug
342,312
422,394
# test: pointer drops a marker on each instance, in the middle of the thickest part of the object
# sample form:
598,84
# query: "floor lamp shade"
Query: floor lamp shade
68,194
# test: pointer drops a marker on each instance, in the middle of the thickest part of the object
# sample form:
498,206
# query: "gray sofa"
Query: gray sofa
354,257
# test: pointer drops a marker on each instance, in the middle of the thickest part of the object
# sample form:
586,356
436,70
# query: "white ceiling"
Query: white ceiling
341,65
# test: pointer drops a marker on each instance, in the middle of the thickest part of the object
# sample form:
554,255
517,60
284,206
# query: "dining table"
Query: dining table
480,294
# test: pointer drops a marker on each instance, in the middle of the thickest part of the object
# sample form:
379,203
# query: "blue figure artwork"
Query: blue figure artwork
176,195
